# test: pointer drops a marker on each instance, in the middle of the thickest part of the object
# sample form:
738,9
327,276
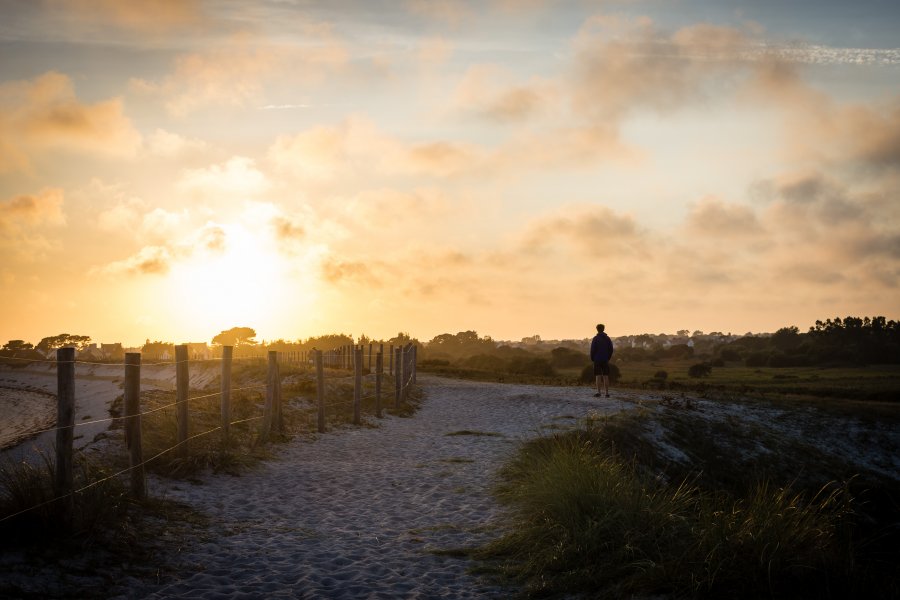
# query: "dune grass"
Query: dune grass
591,513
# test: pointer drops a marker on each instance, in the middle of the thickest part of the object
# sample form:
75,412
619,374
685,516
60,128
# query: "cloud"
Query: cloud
358,145
149,260
44,113
489,92
452,12
237,177
171,145
713,218
592,231
23,221
338,271
622,66
43,208
147,16
235,74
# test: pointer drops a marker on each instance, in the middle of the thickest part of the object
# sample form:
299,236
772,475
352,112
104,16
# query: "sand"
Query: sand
375,512
364,513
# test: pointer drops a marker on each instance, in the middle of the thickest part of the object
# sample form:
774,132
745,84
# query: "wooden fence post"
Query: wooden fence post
357,384
65,432
320,391
415,359
379,373
182,382
272,411
391,361
227,354
370,357
398,378
133,423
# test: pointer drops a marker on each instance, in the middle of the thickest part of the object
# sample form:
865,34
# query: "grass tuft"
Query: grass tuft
584,519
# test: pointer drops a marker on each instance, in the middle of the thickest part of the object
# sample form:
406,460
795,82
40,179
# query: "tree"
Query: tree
786,338
14,345
236,336
157,349
63,340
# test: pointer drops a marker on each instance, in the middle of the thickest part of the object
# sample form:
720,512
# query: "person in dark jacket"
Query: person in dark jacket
601,353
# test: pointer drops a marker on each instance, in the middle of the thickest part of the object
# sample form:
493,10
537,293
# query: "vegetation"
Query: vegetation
851,358
598,511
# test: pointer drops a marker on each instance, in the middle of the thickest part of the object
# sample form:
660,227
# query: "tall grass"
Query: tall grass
28,489
583,519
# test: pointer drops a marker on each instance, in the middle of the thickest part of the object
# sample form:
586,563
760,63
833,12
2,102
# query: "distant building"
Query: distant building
198,351
112,351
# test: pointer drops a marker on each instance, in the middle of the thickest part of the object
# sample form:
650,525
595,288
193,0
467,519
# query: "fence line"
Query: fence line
352,357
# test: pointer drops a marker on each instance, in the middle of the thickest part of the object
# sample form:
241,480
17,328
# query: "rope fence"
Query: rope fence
402,367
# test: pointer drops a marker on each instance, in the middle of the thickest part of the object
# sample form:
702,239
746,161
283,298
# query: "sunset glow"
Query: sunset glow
171,169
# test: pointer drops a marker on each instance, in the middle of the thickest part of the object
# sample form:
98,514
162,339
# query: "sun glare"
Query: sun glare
240,281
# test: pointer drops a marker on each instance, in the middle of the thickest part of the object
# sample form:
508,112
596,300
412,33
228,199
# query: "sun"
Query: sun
235,278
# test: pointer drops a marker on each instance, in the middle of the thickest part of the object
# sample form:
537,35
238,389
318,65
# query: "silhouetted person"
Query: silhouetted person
601,352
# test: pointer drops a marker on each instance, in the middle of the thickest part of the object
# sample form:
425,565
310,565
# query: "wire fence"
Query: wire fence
332,389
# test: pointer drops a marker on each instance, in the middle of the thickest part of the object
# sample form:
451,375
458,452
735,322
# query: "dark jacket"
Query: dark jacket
601,348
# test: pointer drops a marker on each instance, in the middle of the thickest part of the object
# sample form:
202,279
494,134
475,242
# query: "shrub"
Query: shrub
434,362
757,359
662,375
485,362
566,357
530,366
700,370
729,354
587,374
587,521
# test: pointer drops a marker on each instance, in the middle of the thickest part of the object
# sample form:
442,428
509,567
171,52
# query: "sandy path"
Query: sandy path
358,513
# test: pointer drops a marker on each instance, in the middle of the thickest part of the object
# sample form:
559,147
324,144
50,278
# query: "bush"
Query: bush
566,358
587,374
729,354
661,375
531,366
485,362
434,362
700,370
757,359
586,521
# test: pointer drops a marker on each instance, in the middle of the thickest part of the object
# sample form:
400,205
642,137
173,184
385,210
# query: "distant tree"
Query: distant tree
14,345
63,340
562,358
236,336
157,349
786,338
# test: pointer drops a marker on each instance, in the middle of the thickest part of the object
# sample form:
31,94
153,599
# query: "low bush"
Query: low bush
700,370
585,520
587,374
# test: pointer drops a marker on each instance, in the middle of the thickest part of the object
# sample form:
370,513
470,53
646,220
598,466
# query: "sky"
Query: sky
170,169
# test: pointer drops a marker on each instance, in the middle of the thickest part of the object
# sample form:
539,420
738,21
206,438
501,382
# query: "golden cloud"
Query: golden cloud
146,16
358,145
489,91
44,113
235,74
622,66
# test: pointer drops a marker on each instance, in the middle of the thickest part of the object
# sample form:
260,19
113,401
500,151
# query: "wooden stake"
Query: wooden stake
379,373
182,382
133,424
227,354
357,384
65,423
320,391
